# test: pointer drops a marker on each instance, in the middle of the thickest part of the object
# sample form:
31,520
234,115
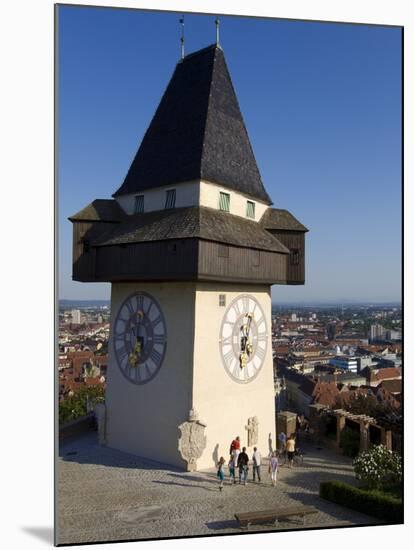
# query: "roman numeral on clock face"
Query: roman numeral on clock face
140,302
261,353
156,356
229,356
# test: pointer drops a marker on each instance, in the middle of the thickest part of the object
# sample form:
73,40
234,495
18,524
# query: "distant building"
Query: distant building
393,335
294,317
366,361
346,363
76,316
376,376
377,332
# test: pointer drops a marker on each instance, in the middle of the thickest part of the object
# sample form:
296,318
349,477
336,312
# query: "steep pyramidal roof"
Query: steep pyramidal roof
197,133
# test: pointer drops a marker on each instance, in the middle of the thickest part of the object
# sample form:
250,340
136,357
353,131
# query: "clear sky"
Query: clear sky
322,106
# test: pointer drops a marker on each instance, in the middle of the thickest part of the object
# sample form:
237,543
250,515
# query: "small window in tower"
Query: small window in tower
294,256
139,204
250,210
86,246
224,202
223,250
172,248
256,258
170,199
222,300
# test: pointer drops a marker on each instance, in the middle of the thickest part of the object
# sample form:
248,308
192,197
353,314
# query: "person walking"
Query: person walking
243,466
273,467
235,449
232,466
257,459
282,441
290,448
220,472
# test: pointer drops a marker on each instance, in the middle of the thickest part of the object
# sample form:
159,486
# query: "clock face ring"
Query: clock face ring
139,337
243,338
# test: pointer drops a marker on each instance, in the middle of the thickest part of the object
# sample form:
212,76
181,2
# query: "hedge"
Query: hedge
373,503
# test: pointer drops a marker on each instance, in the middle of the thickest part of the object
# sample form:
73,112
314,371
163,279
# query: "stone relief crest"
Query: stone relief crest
192,441
252,431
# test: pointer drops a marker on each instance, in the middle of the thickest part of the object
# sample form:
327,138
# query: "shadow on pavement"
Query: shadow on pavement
225,524
86,450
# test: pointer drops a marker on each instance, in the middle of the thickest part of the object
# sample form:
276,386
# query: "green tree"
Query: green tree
76,406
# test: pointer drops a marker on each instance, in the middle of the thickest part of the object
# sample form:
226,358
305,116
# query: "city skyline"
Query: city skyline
324,124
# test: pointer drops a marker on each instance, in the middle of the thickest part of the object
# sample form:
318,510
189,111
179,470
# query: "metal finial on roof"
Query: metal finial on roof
182,36
217,31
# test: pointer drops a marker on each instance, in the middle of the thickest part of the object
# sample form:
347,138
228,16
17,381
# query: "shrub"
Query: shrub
378,466
350,442
76,406
372,502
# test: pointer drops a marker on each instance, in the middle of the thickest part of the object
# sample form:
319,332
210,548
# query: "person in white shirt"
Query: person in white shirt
273,467
257,460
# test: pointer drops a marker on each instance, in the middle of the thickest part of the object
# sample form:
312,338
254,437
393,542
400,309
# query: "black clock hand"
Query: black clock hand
249,322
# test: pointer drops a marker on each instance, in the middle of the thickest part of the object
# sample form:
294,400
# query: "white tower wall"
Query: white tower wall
144,419
223,404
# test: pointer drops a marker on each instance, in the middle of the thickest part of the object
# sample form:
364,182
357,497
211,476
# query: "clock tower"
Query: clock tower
191,246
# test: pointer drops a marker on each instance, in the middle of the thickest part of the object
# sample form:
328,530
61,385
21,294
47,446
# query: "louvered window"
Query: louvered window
139,204
223,250
170,199
224,202
294,256
250,210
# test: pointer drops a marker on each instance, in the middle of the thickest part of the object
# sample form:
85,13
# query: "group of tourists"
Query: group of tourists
239,461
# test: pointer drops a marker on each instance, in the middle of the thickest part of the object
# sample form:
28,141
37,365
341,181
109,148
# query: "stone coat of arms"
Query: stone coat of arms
192,441
252,431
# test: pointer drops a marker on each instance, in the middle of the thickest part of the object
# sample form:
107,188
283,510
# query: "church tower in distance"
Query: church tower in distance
191,246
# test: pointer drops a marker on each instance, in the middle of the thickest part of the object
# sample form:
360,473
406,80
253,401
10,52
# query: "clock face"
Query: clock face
243,338
140,337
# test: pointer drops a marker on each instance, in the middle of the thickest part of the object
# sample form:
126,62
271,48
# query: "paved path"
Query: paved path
106,495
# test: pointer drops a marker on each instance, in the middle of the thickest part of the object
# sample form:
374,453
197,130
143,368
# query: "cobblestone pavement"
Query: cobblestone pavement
104,495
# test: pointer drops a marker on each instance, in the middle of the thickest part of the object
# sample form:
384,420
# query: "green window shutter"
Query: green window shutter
224,202
139,204
170,199
250,210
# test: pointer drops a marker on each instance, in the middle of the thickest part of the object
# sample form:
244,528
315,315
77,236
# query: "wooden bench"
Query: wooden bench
274,515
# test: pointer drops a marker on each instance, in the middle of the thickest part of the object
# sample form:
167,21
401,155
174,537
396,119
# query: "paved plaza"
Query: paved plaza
106,495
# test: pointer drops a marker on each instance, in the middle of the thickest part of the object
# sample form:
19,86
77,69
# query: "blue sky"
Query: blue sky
322,106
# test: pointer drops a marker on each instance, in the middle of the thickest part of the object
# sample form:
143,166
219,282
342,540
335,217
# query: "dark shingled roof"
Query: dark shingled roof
192,222
197,133
277,218
103,210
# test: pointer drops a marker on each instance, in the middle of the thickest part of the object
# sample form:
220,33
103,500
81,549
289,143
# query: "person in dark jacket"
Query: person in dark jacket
243,466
